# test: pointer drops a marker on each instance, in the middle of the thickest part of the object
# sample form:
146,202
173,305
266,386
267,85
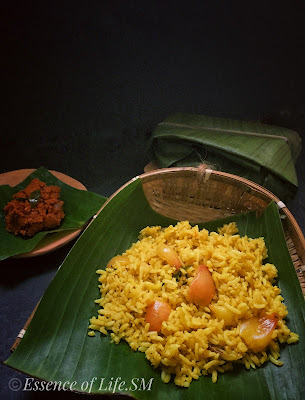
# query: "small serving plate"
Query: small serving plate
54,240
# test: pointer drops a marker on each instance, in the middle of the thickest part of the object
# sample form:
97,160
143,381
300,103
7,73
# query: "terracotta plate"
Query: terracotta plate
51,241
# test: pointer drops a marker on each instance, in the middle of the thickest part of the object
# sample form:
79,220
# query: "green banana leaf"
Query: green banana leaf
79,207
265,154
56,346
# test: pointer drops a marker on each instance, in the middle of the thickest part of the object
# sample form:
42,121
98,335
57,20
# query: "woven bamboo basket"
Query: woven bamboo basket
201,194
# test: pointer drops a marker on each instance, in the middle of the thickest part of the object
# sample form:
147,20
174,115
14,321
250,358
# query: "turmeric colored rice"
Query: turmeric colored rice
193,341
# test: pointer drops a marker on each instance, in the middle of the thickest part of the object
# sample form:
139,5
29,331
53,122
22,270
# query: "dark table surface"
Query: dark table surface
84,84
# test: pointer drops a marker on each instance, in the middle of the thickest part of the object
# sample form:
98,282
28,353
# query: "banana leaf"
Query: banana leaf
56,346
79,207
265,154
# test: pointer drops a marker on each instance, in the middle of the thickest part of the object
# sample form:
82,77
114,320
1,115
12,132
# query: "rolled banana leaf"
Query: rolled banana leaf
264,154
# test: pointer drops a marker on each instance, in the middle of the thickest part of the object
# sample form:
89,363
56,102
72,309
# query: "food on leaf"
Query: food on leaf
33,209
137,296
169,255
156,313
223,313
257,332
202,289
121,259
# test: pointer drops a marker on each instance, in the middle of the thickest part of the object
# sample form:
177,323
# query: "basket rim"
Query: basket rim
150,175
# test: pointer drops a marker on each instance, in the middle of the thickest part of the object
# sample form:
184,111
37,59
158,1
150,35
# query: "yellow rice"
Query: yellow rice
192,342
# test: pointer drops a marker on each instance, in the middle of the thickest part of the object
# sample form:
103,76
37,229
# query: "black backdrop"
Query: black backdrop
83,84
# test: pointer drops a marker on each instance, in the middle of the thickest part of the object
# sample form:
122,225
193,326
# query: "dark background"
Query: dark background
84,83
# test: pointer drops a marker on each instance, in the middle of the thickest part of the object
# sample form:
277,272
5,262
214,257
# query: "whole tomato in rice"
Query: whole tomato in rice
257,332
169,255
202,289
156,313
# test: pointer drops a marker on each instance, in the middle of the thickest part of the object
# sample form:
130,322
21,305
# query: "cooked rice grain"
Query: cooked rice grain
192,342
